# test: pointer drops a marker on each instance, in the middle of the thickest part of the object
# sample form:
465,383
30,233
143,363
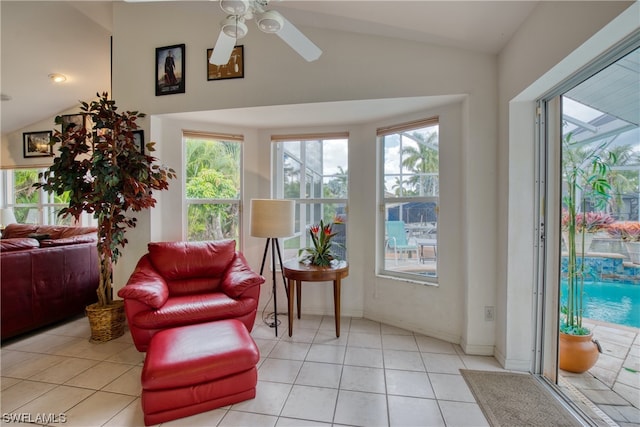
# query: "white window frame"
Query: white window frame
384,200
219,137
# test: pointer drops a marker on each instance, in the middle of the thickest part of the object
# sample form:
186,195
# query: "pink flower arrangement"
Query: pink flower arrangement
590,222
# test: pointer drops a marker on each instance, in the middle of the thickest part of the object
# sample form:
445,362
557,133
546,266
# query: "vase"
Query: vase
577,353
633,248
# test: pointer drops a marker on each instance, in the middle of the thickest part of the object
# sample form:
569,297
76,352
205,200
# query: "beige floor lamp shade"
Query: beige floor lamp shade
7,217
272,219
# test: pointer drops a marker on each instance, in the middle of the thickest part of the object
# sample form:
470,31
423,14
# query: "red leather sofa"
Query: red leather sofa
186,283
47,274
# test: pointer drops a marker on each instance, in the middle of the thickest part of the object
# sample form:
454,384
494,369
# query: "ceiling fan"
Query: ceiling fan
234,27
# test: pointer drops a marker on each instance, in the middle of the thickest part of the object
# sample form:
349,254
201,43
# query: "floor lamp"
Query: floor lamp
7,217
273,219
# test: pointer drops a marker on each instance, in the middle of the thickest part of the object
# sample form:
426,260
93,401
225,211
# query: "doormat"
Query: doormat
511,399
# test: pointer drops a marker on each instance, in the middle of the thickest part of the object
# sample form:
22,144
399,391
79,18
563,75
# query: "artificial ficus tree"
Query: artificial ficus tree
106,175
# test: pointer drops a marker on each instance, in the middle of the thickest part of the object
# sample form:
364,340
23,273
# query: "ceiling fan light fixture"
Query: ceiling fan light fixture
57,78
235,7
234,27
270,22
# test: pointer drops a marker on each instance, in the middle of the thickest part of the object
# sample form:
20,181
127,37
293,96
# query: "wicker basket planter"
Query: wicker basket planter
108,322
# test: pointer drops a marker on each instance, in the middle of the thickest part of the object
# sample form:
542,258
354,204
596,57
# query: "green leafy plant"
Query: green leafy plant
320,254
585,172
105,174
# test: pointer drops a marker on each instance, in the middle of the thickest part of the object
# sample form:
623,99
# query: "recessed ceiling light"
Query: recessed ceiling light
57,78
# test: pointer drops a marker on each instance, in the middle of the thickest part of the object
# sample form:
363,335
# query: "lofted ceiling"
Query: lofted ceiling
79,47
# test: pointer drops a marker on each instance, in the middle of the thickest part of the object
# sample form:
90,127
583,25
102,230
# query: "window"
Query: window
312,170
35,206
213,165
410,199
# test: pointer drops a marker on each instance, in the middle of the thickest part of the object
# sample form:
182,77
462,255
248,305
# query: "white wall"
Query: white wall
352,67
547,49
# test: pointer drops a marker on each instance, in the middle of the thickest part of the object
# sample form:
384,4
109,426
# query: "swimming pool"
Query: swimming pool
610,302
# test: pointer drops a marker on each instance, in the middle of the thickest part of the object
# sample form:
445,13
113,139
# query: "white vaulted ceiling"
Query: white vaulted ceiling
33,47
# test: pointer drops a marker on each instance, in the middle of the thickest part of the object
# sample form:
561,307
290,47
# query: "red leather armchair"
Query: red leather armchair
184,283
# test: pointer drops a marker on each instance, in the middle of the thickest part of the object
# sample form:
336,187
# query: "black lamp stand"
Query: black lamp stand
275,247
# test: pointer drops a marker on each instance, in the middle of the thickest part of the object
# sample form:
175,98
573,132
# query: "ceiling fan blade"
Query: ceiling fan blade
222,50
298,41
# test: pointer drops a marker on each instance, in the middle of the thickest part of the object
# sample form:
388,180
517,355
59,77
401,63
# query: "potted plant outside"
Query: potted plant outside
588,224
629,233
585,174
107,175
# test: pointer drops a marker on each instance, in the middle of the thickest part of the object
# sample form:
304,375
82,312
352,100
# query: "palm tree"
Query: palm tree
422,160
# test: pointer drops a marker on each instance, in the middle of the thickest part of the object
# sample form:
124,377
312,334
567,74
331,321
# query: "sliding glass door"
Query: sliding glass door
591,119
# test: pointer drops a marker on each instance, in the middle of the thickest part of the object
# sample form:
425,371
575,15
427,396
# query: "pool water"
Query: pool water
610,302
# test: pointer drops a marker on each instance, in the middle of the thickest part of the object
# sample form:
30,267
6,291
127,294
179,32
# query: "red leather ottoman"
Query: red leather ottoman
197,368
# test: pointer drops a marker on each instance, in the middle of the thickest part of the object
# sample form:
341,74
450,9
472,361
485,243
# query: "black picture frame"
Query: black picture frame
36,144
234,69
69,120
170,73
138,140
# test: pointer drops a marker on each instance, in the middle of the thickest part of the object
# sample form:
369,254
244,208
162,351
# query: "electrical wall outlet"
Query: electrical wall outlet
489,313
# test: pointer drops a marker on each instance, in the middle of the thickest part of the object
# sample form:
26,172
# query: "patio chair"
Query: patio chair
396,239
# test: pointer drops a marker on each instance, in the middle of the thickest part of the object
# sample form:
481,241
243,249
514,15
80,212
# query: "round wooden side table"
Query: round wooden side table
297,272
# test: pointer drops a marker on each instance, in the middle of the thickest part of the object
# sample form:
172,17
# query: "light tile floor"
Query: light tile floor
373,375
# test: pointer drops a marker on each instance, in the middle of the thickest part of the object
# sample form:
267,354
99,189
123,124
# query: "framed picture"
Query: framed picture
234,69
99,136
36,144
169,74
72,120
138,140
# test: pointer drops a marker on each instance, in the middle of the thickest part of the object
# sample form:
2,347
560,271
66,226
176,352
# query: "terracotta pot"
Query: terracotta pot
577,353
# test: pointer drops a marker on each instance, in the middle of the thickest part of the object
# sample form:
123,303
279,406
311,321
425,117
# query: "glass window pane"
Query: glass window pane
313,156
312,213
411,238
212,169
24,193
291,172
213,177
212,222
312,170
52,218
411,192
335,157
391,146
